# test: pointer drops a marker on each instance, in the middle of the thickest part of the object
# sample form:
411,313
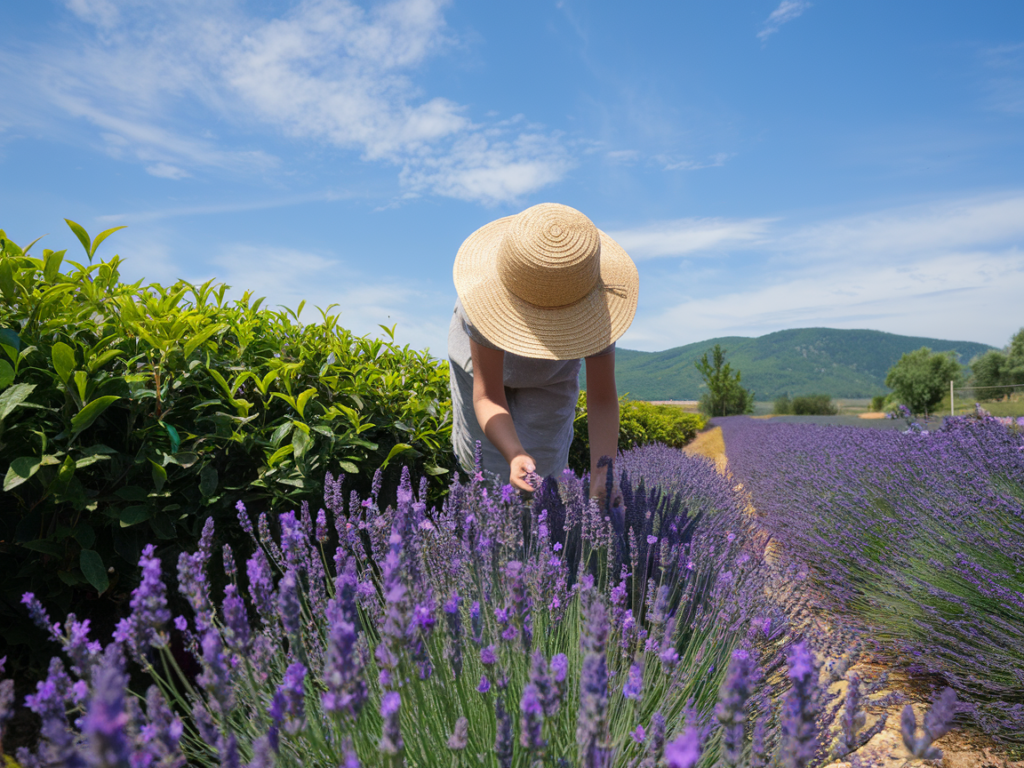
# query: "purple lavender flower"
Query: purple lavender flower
638,734
37,613
321,526
289,703
459,739
592,720
236,621
488,655
192,583
343,668
633,686
684,751
349,759
261,586
731,710
215,677
289,606
559,666
485,684
937,723
227,748
160,737
800,709
244,521
230,566
503,734
391,737
262,754
454,621
103,726
144,628
531,719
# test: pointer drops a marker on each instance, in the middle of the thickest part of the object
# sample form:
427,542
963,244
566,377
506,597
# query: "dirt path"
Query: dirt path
960,749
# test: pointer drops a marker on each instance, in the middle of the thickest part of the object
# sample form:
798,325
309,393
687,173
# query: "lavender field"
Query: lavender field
501,631
917,536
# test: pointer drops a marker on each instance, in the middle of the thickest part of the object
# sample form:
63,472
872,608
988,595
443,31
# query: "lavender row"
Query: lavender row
919,535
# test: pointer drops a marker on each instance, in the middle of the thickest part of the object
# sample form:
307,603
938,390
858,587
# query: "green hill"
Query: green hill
802,361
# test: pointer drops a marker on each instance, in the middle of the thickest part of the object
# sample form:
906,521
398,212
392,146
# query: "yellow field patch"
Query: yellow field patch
709,444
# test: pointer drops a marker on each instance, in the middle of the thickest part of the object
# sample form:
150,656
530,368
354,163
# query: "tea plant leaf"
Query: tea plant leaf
349,467
98,362
46,547
202,337
433,469
135,514
29,246
101,237
300,402
63,358
83,237
52,261
10,338
281,433
208,481
399,448
81,383
280,454
85,417
6,374
7,284
172,433
159,476
92,568
301,442
21,469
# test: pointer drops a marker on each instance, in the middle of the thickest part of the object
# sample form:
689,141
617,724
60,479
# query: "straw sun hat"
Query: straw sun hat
546,283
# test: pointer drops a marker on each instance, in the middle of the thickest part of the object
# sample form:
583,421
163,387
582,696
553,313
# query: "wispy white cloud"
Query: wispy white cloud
689,237
714,161
135,217
787,11
326,71
948,269
1005,82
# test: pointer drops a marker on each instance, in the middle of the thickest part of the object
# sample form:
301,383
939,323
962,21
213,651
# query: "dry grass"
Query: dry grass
709,444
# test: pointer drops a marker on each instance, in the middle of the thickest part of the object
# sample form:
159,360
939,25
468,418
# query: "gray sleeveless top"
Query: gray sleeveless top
541,396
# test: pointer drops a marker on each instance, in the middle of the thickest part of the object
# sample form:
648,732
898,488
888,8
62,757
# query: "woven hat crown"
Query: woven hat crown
550,255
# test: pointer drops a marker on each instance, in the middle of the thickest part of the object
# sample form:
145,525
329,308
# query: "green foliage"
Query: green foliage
783,406
921,378
878,403
133,411
814,405
640,423
724,396
840,363
1000,368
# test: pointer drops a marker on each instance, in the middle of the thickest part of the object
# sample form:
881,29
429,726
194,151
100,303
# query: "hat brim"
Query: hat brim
577,330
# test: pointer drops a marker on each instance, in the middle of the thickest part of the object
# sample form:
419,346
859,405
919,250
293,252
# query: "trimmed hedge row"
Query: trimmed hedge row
130,412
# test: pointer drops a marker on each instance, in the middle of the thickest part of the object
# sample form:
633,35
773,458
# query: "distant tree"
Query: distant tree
1000,368
877,402
814,405
725,395
783,406
921,378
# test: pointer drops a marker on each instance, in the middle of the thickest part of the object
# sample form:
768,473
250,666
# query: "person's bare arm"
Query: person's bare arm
602,422
491,408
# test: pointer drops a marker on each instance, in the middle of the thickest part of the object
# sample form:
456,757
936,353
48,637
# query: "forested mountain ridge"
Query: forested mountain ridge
839,363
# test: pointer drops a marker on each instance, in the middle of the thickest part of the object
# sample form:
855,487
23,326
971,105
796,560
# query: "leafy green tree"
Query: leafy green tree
989,369
814,405
725,395
783,406
921,378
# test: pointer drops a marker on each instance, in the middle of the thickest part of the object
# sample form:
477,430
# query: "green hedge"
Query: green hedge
132,412
640,423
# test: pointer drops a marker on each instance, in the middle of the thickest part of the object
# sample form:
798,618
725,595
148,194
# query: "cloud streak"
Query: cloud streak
325,71
787,11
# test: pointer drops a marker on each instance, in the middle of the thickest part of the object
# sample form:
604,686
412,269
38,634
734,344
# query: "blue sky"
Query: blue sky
768,165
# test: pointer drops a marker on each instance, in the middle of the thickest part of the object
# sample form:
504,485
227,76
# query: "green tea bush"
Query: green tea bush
130,412
814,405
640,423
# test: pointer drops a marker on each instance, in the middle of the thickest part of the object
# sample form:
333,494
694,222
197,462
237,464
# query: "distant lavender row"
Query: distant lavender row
550,633
919,535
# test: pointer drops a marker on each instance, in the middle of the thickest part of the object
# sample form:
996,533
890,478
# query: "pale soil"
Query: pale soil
961,749
872,415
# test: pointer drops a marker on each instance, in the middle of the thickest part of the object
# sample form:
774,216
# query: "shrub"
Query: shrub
814,405
783,406
878,403
916,535
640,423
135,411
488,632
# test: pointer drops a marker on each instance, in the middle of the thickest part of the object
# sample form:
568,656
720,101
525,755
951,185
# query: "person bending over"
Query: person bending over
538,293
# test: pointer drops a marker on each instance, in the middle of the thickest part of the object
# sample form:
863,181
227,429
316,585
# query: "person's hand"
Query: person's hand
522,465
